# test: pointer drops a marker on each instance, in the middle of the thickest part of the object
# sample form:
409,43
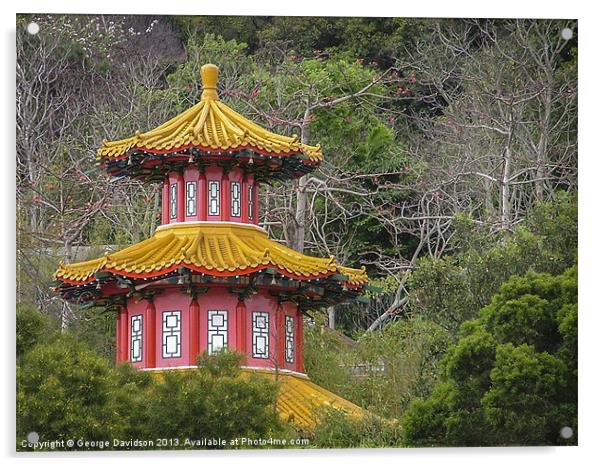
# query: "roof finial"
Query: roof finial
209,79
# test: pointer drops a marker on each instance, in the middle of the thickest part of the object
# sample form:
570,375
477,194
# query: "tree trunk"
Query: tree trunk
31,177
505,214
298,230
542,146
298,236
331,317
385,316
65,310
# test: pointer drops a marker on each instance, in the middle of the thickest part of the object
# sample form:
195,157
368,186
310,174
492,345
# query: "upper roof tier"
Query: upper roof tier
206,132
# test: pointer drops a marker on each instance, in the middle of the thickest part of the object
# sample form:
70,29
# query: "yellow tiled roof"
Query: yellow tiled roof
300,401
211,125
220,249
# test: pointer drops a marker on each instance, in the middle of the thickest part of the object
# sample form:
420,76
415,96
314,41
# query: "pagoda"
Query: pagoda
210,278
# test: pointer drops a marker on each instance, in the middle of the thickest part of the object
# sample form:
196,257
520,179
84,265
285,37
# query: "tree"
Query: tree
382,372
65,391
503,119
337,430
67,76
494,133
511,379
33,328
213,401
454,288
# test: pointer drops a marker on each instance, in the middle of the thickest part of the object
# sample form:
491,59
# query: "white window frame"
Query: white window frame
173,201
172,330
261,334
251,202
136,337
213,198
191,198
217,330
289,339
235,201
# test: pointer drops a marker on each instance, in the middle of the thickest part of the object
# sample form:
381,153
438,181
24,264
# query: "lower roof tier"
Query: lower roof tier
302,402
214,251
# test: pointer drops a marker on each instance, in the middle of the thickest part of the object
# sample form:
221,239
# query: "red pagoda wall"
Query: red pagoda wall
192,329
192,192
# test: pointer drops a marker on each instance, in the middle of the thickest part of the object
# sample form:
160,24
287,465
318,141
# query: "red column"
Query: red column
280,336
193,328
165,203
299,343
124,340
118,354
225,196
181,197
241,327
150,335
202,197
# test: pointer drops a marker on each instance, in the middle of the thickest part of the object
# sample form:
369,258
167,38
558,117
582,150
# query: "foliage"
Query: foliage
382,372
511,379
66,391
452,289
373,40
337,430
96,328
408,351
33,328
234,64
213,402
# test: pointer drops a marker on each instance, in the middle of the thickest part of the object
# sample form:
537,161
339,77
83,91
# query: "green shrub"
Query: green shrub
336,430
512,377
213,401
33,327
453,289
65,391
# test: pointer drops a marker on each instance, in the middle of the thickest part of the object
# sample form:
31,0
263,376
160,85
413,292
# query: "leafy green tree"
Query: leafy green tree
511,379
373,40
33,327
66,391
131,400
213,401
453,289
384,370
337,430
